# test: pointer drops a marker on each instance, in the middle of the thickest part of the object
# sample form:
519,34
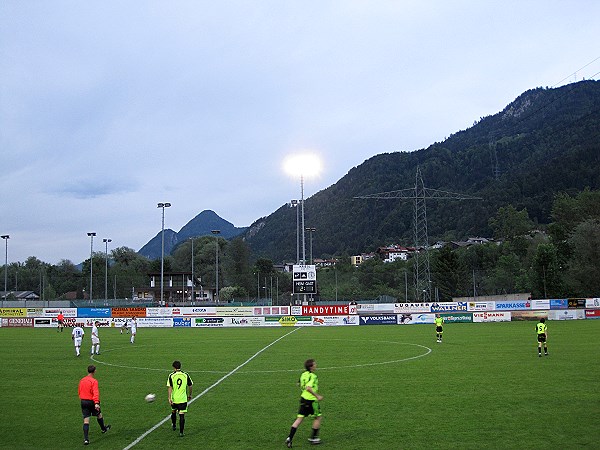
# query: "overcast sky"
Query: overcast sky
109,107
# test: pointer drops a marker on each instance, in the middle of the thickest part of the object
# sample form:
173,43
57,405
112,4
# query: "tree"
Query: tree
547,272
508,223
584,268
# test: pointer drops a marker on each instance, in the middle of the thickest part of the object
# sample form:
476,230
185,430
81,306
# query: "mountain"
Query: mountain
201,225
544,142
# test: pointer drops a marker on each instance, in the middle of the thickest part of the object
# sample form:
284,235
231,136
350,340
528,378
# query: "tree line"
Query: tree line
555,261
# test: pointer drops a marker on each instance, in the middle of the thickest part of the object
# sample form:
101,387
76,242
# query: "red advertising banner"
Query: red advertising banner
592,313
17,322
128,312
326,310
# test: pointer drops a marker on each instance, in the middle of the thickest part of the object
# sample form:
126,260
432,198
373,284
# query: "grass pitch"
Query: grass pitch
385,387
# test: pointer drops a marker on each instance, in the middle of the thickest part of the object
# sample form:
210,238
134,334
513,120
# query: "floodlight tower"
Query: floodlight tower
422,272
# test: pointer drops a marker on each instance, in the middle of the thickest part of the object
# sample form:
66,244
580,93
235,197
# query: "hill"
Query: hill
201,225
544,142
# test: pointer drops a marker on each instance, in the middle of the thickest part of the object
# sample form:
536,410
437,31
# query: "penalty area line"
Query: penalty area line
215,384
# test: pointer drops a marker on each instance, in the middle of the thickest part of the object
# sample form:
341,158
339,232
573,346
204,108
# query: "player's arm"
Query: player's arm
190,386
313,392
169,392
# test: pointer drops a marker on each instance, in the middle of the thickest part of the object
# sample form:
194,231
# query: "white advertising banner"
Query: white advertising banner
159,312
589,303
385,308
155,322
409,319
566,314
540,304
480,306
194,311
244,321
320,321
498,316
35,312
238,311
400,308
53,312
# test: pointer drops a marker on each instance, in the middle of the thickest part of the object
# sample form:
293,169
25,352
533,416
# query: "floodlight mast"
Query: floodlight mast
422,272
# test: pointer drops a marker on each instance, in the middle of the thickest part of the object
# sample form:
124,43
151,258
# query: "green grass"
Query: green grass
484,387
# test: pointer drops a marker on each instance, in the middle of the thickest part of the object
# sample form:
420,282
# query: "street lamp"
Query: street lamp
311,230
91,235
294,204
303,165
106,241
216,233
162,249
6,237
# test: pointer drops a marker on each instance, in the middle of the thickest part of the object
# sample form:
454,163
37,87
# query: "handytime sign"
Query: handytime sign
325,310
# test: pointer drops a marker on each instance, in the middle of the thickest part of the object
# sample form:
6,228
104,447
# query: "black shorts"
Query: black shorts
439,330
542,337
309,408
88,408
182,407
60,322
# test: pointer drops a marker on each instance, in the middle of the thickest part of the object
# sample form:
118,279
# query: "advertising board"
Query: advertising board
244,321
35,312
401,308
457,317
239,311
418,318
208,322
182,322
155,322
562,303
17,322
592,313
592,302
529,315
325,310
44,322
576,302
449,307
288,321
128,312
93,312
566,314
13,312
480,306
273,311
387,319
512,305
384,308
540,304
53,312
489,316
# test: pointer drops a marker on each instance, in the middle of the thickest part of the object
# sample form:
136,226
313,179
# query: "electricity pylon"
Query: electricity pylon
422,273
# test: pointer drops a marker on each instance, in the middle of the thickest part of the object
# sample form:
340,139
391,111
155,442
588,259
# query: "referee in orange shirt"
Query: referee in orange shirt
90,403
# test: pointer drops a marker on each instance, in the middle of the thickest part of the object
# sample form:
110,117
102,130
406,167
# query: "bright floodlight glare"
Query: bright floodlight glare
306,165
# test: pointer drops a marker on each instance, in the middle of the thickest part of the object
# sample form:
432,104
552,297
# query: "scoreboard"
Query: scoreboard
304,279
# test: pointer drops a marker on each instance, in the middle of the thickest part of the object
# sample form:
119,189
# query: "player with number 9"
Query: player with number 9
179,388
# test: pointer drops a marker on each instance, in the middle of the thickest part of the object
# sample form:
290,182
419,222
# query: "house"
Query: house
19,295
393,252
177,287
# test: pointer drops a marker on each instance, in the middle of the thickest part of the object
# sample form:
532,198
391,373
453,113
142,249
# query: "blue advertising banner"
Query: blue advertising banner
93,312
513,305
389,319
562,303
182,322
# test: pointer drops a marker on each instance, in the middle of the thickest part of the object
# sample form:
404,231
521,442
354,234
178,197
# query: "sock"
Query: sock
292,433
174,419
315,433
131,339
97,349
181,422
546,350
86,429
101,423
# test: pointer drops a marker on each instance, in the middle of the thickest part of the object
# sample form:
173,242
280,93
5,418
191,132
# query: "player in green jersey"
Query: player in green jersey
439,330
542,335
179,387
309,403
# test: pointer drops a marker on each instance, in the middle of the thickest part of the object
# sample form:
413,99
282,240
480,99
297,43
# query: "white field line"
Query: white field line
216,383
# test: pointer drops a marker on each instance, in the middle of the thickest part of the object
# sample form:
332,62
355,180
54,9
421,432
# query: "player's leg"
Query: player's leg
293,429
181,422
316,425
539,347
174,419
100,419
86,430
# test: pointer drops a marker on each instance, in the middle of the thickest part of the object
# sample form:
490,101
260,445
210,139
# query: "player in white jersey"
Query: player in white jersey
133,329
95,339
77,336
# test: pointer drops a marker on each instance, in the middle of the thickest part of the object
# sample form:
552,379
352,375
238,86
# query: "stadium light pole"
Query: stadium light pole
162,249
193,298
6,237
91,235
294,204
216,233
311,230
106,241
303,165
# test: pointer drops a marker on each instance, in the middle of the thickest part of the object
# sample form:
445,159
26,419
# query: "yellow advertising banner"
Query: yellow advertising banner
13,312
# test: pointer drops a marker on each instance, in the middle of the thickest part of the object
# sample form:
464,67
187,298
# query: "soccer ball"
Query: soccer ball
150,398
